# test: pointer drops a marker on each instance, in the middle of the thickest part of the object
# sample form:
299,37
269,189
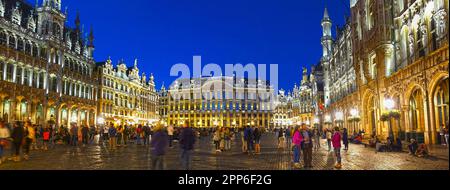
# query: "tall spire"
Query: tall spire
91,37
325,14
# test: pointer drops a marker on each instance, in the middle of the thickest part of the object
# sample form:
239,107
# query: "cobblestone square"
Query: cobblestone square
137,157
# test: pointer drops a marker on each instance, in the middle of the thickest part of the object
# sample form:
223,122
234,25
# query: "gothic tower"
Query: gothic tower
327,42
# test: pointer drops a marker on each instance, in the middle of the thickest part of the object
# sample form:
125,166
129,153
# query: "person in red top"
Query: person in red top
46,137
336,141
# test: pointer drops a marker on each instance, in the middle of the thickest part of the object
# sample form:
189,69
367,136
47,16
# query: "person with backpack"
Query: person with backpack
336,140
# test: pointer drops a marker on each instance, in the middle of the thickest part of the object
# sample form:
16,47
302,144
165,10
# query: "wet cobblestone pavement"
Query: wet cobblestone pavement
137,157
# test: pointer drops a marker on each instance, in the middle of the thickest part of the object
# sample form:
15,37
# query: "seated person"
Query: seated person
389,144
413,146
357,139
397,146
422,151
380,147
373,141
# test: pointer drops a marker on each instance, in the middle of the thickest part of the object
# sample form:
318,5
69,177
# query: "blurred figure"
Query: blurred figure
30,136
112,132
170,133
187,141
85,135
45,138
257,138
4,137
74,135
336,140
159,144
17,135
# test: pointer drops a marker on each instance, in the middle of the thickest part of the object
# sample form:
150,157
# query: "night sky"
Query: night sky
161,33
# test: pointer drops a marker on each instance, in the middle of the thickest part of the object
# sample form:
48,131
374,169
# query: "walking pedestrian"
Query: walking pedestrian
296,142
345,139
307,146
126,135
249,139
112,132
244,141
281,138
4,140
85,134
316,135
329,135
159,144
30,136
17,135
170,133
119,135
146,135
257,138
187,141
92,133
74,134
288,137
336,140
105,134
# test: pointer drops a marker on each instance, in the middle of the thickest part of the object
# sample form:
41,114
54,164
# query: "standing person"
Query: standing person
244,141
316,139
336,140
287,136
442,134
126,134
159,143
280,138
296,142
92,133
30,136
329,135
187,141
112,132
100,132
138,134
105,134
222,139
216,139
85,134
446,135
307,146
45,138
4,136
249,139
227,139
74,134
345,139
170,133
119,135
257,138
37,135
146,134
17,135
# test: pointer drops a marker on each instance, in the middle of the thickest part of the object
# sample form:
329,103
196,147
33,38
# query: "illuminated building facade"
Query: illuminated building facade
283,110
46,67
302,99
220,102
125,96
399,60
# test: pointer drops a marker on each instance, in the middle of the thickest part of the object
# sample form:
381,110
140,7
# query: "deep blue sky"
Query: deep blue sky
161,33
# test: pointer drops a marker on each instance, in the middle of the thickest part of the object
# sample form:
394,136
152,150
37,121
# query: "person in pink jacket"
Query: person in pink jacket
296,142
336,141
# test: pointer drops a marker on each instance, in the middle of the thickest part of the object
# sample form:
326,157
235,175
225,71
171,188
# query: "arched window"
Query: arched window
28,48
20,45
413,111
3,38
12,42
433,42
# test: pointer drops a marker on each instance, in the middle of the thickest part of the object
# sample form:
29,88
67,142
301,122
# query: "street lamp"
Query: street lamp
339,117
389,104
